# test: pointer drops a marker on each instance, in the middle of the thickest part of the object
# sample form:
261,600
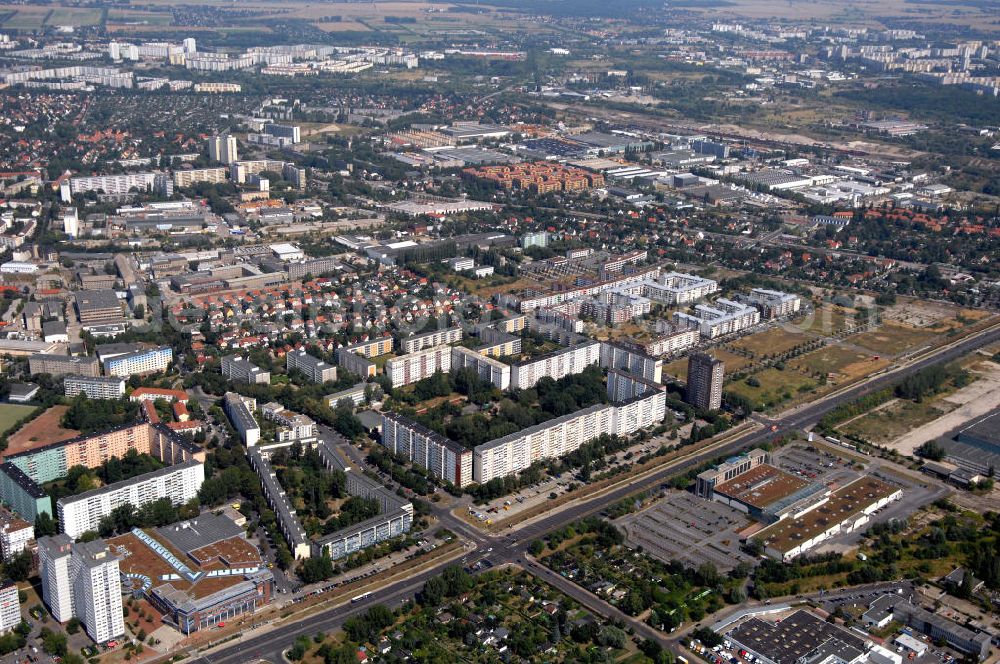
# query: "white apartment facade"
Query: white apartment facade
489,369
614,356
774,304
672,339
83,512
240,411
418,365
15,534
431,339
190,177
95,387
315,369
54,555
10,607
223,149
676,288
514,453
119,184
556,365
139,362
240,369
444,458
720,318
97,590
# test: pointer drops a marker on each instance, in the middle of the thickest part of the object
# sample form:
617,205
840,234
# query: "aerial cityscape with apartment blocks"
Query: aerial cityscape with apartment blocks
500,332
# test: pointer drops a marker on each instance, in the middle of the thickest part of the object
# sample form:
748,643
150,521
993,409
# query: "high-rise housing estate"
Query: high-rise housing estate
773,304
223,149
82,581
444,458
431,339
10,607
416,366
704,381
97,590
538,239
240,411
315,369
242,370
677,288
84,511
54,554
140,362
557,364
489,369
95,387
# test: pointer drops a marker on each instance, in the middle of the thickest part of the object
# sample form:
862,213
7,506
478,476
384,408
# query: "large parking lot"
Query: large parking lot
688,529
813,465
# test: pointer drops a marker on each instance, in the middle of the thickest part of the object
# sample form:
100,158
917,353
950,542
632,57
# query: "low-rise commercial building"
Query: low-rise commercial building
215,576
96,307
846,510
798,638
730,469
938,627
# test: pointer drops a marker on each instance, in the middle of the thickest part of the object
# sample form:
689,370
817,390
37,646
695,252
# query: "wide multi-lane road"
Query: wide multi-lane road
511,547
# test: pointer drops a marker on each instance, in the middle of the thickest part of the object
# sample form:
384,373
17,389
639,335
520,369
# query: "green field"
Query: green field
139,17
75,17
884,425
891,339
775,387
26,19
10,414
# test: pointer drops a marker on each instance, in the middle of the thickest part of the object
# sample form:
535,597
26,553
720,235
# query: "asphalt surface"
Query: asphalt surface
511,547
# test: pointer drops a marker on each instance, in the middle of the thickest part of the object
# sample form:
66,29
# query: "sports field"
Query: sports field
41,431
10,414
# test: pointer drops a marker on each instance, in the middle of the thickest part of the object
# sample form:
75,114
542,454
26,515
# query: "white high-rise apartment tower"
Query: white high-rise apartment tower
82,581
97,590
223,149
54,554
10,607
